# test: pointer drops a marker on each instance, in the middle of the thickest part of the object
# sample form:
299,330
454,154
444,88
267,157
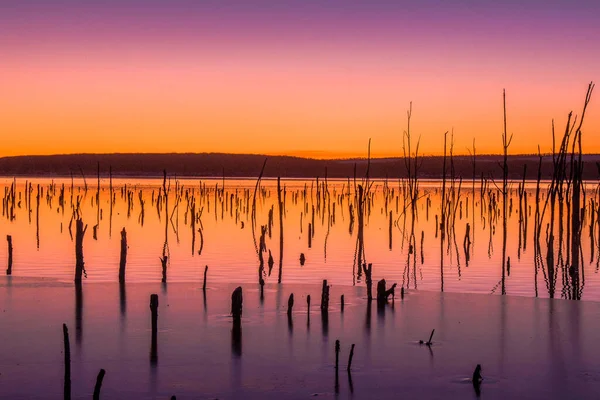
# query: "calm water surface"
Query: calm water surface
224,237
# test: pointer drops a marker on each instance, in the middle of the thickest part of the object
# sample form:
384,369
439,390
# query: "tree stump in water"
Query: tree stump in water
325,297
123,258
10,255
236,303
163,262
290,305
79,234
154,311
368,270
382,293
236,312
67,350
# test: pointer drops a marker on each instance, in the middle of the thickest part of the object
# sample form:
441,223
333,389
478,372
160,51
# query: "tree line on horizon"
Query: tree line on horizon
241,165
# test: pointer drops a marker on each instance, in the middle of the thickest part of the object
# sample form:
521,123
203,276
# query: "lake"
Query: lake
452,265
402,249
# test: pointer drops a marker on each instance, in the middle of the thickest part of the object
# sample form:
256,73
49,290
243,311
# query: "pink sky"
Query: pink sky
291,79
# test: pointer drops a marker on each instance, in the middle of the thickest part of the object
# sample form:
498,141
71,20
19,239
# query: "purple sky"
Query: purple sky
423,51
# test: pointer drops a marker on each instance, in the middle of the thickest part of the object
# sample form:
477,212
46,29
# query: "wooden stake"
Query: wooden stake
390,232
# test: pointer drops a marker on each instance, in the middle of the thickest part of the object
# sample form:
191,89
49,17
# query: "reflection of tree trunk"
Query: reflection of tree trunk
95,230
412,252
390,230
537,226
505,143
165,251
598,235
193,224
78,311
360,209
261,261
536,266
576,228
591,229
504,247
280,206
110,200
443,218
525,219
10,255
37,217
122,298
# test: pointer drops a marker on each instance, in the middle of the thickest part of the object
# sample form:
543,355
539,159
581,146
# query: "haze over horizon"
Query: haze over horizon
293,78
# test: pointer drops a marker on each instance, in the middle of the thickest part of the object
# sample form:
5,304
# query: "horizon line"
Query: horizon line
328,157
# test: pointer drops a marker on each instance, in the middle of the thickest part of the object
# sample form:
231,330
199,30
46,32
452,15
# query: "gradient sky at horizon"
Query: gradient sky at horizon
308,78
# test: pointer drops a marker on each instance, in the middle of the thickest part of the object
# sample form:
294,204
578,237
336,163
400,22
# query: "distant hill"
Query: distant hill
249,165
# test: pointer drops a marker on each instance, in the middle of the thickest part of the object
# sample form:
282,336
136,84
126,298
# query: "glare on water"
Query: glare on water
222,235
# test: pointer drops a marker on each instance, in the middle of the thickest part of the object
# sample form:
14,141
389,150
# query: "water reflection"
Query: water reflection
349,226
122,298
78,312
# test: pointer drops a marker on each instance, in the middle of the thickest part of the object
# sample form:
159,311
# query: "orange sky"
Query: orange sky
68,89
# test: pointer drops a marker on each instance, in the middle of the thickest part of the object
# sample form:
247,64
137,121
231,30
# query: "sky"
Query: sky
295,77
